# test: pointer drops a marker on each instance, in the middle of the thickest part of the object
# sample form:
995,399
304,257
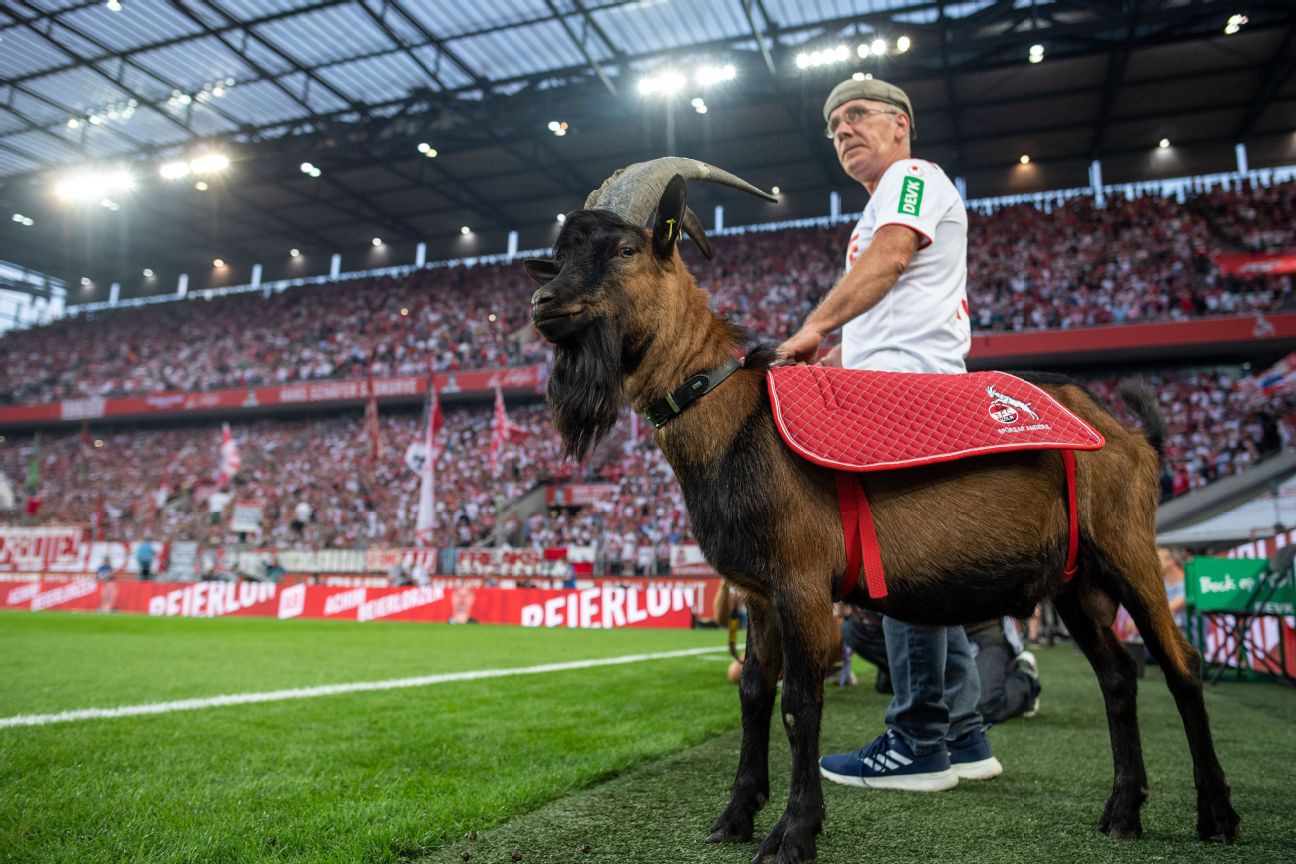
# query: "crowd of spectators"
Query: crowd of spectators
315,479
1134,260
319,487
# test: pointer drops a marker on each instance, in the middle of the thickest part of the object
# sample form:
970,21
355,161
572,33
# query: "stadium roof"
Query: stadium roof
353,87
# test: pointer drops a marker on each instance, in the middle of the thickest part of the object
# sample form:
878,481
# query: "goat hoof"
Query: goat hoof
735,825
790,842
1216,818
1121,821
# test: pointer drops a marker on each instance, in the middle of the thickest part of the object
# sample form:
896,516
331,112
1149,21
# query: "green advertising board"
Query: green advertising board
1229,585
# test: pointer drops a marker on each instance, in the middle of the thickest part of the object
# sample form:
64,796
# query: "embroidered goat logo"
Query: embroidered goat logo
1004,408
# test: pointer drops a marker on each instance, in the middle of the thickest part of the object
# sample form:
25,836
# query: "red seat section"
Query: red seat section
852,420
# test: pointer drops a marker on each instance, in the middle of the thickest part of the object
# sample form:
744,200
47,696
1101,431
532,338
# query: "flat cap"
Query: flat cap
871,88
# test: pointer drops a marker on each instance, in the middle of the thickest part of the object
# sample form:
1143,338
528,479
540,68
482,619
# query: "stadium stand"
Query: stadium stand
1137,259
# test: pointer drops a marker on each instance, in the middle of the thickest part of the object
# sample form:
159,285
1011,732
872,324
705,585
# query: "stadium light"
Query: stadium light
774,190
699,105
862,76
218,262
73,123
465,230
1234,24
708,75
377,241
561,218
148,273
94,185
310,169
25,221
1025,160
558,127
85,282
1163,143
665,83
1036,53
114,5
174,170
201,186
294,252
209,163
903,44
815,59
427,150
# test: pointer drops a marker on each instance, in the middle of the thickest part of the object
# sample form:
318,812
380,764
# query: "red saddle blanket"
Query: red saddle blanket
853,420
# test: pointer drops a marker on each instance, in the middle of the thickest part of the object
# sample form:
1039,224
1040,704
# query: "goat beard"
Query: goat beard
587,387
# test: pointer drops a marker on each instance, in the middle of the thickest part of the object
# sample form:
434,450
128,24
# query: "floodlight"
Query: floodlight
1036,53
465,230
377,241
879,47
307,167
148,273
114,5
714,74
92,186
73,123
424,147
1163,143
774,190
902,44
802,60
561,217
218,262
85,281
209,163
294,252
201,186
174,170
1025,160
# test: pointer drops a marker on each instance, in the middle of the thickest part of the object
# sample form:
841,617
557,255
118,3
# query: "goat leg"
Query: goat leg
1119,684
756,688
806,624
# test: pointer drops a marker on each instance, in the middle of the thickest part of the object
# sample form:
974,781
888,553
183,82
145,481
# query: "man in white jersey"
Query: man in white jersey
902,307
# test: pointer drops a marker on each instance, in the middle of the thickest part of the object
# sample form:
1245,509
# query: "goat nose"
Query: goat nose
541,296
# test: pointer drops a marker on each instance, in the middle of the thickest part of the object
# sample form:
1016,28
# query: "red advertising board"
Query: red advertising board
1255,263
601,607
529,378
51,547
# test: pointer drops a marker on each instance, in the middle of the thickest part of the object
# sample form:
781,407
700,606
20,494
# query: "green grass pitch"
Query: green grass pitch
632,760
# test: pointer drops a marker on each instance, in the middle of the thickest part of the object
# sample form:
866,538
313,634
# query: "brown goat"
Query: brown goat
629,323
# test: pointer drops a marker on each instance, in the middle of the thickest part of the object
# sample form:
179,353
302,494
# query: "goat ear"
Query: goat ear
670,217
541,270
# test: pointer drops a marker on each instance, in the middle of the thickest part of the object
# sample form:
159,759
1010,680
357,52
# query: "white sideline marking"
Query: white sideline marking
332,689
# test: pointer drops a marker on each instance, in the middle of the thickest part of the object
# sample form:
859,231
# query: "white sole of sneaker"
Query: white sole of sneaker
985,769
936,782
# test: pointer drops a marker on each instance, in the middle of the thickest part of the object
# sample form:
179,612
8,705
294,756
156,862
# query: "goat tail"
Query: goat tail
1140,399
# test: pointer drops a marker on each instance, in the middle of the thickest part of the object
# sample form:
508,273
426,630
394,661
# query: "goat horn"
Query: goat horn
693,226
633,192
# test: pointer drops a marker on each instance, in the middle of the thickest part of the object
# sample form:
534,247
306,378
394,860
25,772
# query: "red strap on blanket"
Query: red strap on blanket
848,504
1073,519
860,536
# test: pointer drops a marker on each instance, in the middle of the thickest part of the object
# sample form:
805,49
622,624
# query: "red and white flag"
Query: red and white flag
503,432
372,429
230,460
425,525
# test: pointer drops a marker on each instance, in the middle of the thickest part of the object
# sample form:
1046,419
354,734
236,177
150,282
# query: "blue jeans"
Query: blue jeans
936,684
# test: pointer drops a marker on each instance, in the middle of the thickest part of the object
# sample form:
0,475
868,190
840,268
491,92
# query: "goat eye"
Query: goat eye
626,251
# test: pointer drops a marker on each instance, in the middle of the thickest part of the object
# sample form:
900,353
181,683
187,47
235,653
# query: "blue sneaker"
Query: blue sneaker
888,763
971,756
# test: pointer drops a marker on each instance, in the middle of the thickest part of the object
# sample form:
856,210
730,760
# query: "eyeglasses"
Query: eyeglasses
851,116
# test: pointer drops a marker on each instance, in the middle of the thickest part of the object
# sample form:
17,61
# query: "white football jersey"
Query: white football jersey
921,325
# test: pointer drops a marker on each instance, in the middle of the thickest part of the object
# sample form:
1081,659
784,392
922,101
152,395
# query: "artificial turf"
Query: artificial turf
1043,809
634,761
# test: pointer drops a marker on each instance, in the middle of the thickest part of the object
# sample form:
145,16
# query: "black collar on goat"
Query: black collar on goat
961,541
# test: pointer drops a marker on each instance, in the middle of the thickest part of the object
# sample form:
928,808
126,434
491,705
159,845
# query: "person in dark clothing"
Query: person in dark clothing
1010,684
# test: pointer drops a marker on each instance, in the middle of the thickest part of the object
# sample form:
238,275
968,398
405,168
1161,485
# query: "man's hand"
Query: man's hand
833,357
803,347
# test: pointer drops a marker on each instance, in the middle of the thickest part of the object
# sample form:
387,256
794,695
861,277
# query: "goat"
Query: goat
961,541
